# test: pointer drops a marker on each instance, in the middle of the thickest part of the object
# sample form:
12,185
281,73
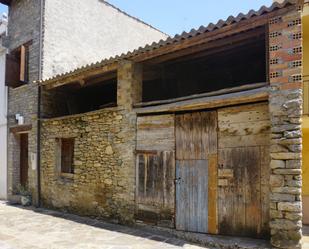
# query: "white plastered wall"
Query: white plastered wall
3,120
79,32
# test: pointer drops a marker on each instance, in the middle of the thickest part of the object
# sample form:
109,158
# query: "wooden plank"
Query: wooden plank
192,195
156,133
209,94
12,69
212,194
22,75
243,141
77,77
250,96
20,128
240,202
245,113
265,177
244,128
196,135
155,186
252,181
247,125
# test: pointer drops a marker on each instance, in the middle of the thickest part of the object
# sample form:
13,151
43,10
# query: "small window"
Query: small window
67,155
17,66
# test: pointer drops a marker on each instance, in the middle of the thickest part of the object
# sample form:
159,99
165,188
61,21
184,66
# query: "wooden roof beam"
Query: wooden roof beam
80,77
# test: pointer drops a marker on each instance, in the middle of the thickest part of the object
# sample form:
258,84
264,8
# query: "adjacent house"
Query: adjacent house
46,38
200,132
3,113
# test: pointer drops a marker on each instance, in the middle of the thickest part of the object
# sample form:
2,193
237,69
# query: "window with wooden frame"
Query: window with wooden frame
65,155
17,66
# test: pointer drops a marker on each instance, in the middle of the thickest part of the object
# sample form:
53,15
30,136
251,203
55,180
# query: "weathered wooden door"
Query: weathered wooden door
196,150
155,169
243,173
24,159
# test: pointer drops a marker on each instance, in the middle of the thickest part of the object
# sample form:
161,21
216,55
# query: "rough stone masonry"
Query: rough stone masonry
285,103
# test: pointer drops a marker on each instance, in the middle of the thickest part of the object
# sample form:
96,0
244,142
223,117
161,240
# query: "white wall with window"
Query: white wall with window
3,113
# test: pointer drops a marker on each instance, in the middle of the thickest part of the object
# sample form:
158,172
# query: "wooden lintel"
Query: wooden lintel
201,95
250,96
78,77
20,128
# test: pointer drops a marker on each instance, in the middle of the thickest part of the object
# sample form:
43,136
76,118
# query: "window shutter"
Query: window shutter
22,76
12,71
67,155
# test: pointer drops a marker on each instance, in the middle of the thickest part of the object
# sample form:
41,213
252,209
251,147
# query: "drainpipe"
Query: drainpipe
39,105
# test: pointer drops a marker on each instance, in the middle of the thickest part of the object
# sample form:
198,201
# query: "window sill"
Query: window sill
67,175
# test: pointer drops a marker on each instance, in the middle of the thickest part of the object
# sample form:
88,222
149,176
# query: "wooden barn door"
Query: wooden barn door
243,193
196,151
155,169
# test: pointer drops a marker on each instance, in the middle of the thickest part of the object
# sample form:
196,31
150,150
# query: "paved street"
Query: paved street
26,229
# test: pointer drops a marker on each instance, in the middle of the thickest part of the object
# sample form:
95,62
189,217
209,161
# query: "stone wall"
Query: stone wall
104,172
24,27
286,109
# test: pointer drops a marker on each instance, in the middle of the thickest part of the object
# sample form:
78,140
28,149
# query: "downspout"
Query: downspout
39,105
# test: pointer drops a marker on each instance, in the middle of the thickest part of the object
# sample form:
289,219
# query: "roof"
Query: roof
171,41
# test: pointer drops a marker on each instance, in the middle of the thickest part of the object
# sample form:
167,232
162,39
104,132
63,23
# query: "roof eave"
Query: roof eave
6,2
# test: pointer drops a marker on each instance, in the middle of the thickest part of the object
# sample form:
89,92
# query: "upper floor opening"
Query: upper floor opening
81,96
232,62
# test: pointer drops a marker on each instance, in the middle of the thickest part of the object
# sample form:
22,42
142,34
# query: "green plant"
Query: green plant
23,190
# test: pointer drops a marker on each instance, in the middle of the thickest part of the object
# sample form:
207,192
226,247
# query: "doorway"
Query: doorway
24,164
196,143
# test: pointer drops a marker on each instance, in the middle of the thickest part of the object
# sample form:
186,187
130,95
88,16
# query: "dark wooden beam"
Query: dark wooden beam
78,77
230,99
209,94
20,128
6,2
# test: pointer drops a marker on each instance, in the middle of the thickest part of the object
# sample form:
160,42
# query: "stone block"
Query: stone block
290,206
287,171
284,224
293,215
286,190
293,164
277,164
281,197
276,180
285,156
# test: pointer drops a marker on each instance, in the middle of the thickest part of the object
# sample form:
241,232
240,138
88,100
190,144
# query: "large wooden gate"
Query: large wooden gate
196,151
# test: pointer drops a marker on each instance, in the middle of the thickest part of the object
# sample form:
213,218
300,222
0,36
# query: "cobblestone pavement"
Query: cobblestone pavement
31,229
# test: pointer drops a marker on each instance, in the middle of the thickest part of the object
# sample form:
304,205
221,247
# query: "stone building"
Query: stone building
46,38
200,132
3,113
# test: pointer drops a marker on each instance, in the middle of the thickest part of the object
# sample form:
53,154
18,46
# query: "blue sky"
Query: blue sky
175,16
